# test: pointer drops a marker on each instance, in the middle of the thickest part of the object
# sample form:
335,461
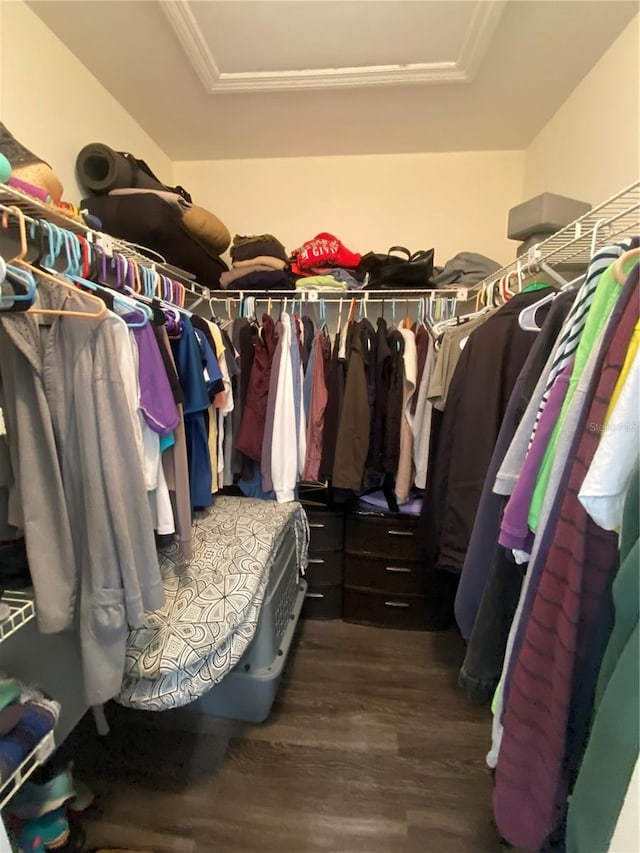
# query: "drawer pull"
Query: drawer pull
399,533
396,604
315,560
314,595
317,525
399,569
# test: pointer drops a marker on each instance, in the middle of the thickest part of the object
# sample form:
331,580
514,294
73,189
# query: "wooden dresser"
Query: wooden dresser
325,572
383,573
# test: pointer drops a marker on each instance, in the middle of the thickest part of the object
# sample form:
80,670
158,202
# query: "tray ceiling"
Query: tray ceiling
216,79
325,45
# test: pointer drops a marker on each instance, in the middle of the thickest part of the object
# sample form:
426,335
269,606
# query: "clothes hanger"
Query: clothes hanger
623,260
118,300
339,323
22,299
527,317
101,308
504,288
323,316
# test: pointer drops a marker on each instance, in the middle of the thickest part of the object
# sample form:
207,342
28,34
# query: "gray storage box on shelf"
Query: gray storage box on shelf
248,691
543,215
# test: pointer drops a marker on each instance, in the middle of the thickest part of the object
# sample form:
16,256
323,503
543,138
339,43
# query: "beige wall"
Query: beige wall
453,202
590,149
54,106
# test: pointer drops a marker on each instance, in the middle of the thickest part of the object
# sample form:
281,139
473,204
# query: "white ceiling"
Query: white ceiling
212,79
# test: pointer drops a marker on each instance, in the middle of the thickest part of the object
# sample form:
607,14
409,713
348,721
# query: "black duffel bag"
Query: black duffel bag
398,269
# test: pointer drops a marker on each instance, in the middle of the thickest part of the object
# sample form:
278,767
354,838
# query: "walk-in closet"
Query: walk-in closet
319,426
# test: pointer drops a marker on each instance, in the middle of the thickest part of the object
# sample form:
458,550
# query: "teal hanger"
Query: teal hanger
323,314
73,250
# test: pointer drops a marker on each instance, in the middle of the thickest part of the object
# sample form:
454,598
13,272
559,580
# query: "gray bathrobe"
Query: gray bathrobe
79,492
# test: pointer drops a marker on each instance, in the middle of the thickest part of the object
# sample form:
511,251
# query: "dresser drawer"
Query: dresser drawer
387,575
385,611
326,568
323,603
327,531
383,537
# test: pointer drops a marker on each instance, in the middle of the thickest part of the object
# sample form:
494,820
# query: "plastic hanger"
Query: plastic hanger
22,298
527,317
623,260
73,248
101,308
339,323
21,301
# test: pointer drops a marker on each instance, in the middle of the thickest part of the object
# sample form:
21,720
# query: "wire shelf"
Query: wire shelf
35,210
38,756
301,294
574,244
22,609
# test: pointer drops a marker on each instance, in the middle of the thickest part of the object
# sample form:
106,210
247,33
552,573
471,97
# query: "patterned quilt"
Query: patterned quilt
213,602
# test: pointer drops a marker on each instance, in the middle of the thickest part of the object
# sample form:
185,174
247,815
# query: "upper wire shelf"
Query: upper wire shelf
35,210
574,244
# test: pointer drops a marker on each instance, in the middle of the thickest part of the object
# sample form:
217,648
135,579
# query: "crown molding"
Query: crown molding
482,26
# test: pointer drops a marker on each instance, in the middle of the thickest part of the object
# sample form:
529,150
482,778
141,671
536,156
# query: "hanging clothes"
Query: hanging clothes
176,466
490,581
423,408
69,425
289,440
611,757
320,364
536,708
383,378
405,472
352,443
332,413
250,437
496,348
395,394
189,364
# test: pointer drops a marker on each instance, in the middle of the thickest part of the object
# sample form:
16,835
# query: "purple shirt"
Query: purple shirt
156,398
514,528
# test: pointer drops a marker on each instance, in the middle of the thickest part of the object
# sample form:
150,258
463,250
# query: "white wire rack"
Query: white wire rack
22,610
300,294
574,245
38,756
35,210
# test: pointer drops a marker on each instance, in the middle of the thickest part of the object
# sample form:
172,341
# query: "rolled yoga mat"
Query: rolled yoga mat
101,169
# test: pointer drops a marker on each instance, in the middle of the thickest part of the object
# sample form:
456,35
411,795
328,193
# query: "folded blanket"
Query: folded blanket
233,278
264,260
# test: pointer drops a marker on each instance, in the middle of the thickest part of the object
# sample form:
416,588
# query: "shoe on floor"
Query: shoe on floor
34,800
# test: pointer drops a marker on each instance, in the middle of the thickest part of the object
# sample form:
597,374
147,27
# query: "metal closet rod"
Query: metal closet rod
341,296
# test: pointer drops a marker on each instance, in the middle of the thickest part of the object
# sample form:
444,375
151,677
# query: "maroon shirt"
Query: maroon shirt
251,433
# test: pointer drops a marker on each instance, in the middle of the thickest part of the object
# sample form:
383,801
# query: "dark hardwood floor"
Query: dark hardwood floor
370,747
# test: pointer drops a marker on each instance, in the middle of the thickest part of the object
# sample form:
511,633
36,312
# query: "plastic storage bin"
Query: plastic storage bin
248,691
